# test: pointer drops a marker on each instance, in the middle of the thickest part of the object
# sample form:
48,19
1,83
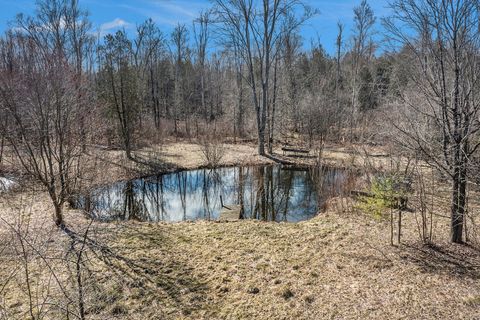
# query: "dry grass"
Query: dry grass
186,155
336,266
333,266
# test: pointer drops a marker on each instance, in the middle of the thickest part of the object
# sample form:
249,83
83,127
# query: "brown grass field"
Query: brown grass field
339,265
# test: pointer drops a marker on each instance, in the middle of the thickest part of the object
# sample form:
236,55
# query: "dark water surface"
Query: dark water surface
270,193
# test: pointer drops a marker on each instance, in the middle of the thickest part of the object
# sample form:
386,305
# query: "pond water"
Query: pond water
270,193
6,184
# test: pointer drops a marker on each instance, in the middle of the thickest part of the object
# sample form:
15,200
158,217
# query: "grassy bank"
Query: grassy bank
338,265
334,266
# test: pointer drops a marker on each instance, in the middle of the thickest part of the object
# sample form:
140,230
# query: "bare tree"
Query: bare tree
179,40
364,19
46,99
149,48
239,112
290,55
272,106
338,73
80,51
441,41
258,27
118,84
202,33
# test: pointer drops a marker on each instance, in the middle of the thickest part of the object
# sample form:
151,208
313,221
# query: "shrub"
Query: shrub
385,192
213,151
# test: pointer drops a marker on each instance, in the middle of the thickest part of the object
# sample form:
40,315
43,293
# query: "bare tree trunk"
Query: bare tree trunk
263,119
459,184
338,67
272,112
459,162
2,146
240,104
399,234
58,214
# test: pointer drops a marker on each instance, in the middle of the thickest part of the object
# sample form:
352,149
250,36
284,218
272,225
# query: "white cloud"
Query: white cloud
170,13
115,24
178,10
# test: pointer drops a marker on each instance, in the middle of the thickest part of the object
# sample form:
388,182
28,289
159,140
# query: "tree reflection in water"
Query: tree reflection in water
270,193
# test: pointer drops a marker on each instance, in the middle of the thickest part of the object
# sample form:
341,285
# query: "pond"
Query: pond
269,193
6,184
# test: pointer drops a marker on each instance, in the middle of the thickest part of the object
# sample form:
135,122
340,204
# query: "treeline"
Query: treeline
243,71
207,78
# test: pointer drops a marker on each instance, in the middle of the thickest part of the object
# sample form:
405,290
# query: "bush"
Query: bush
213,151
385,192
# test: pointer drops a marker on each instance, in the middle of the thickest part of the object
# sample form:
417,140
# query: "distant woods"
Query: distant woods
242,71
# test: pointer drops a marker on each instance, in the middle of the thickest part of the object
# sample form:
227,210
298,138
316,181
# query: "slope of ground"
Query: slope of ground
338,265
335,266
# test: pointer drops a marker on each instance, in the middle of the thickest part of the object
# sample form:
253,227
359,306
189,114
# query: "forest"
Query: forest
234,168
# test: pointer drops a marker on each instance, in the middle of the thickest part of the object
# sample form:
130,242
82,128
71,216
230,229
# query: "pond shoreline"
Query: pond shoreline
183,156
272,192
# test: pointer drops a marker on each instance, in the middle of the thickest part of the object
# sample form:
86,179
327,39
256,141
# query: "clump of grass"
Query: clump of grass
223,289
287,294
309,299
119,309
473,301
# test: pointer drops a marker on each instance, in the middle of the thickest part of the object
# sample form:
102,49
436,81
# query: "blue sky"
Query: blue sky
109,15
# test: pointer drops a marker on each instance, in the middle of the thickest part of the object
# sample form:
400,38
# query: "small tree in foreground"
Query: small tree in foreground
45,98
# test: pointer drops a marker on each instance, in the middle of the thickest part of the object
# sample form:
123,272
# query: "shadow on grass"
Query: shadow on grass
456,260
279,159
144,162
152,164
160,277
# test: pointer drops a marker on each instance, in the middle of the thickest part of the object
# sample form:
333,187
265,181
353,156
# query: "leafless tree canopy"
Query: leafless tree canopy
441,41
